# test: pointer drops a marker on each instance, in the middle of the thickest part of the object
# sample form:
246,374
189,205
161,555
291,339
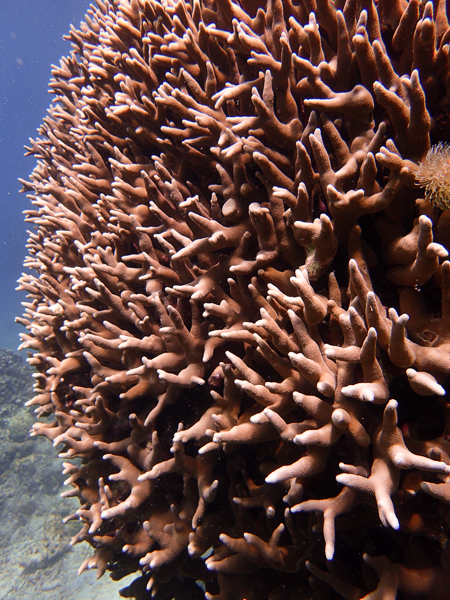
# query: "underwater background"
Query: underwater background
31,40
36,560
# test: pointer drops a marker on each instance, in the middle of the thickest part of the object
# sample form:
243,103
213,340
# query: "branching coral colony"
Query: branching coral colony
239,298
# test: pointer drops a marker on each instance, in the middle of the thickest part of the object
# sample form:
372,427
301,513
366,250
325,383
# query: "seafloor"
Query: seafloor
36,560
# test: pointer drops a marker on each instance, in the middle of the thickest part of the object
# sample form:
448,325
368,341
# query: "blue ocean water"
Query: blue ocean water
35,559
31,39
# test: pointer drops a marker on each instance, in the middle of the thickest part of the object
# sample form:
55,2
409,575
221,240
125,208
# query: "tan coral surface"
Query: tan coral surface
239,299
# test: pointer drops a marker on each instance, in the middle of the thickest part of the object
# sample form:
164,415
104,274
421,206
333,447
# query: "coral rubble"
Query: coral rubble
238,295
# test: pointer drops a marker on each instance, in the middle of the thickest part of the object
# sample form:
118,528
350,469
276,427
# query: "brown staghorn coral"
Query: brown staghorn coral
238,300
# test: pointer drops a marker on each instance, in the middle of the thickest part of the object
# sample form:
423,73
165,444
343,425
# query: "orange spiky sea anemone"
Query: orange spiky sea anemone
434,175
